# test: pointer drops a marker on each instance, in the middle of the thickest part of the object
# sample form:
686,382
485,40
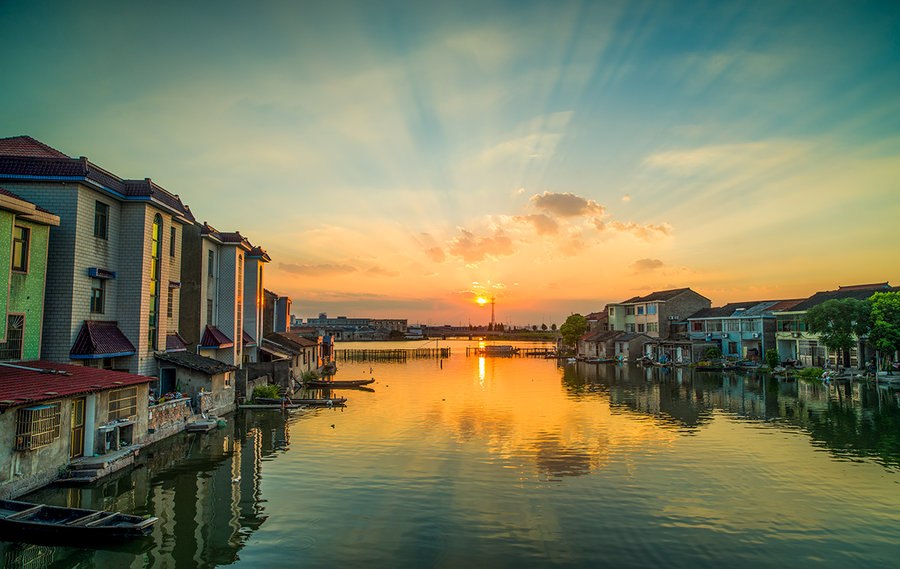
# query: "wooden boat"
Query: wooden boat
312,402
57,523
338,384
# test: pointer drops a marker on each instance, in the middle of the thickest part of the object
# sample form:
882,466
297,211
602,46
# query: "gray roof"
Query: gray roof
194,361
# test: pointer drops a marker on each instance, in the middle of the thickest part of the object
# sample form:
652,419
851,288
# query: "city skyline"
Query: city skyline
403,160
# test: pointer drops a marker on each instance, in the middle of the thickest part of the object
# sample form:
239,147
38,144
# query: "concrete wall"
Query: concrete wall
167,419
192,305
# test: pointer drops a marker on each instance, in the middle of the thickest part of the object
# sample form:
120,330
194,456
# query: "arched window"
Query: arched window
154,282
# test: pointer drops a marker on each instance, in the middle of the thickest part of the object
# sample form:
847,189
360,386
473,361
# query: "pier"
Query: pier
390,355
508,351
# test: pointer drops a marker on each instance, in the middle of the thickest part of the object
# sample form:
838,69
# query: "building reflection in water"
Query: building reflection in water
849,419
204,488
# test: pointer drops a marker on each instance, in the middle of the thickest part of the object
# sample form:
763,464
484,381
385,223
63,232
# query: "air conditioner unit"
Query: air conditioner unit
755,335
709,335
795,334
673,318
724,334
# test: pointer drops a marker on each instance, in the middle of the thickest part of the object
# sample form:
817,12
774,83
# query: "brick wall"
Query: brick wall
168,418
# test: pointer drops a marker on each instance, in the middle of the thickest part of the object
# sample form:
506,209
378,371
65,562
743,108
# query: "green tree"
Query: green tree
885,331
772,358
553,326
839,323
534,327
574,327
544,327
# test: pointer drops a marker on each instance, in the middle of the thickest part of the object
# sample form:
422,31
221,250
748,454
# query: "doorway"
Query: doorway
77,439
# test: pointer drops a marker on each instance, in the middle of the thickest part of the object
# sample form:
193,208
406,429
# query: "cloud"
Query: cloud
436,254
626,198
473,249
567,204
644,232
316,270
543,224
382,272
643,265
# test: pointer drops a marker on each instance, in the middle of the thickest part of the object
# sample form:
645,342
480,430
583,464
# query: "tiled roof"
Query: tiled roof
99,339
840,294
602,336
630,337
17,162
659,296
22,386
26,205
27,146
215,338
786,304
277,350
175,343
233,237
729,309
258,251
147,189
295,338
873,286
194,361
597,315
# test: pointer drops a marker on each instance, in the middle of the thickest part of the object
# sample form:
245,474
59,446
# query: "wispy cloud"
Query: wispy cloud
474,249
644,265
317,270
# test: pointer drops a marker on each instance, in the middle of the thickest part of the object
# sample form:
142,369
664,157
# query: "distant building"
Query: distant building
652,314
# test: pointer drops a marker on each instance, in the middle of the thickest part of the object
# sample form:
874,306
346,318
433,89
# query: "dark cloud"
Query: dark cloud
316,270
543,224
642,265
473,249
567,205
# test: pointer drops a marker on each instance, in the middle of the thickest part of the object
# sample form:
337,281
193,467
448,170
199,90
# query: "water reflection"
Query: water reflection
205,490
848,419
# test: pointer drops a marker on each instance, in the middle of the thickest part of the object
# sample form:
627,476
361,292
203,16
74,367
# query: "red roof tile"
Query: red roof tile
100,339
215,338
27,146
22,386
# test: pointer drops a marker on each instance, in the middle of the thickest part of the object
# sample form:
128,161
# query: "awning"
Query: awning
215,338
100,340
175,343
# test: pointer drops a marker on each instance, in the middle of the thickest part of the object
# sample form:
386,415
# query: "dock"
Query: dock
390,355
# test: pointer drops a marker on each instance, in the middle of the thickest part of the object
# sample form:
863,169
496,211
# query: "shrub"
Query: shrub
266,391
712,353
307,375
811,373
772,358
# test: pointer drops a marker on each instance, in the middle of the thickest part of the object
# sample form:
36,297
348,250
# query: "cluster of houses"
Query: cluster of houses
122,315
680,326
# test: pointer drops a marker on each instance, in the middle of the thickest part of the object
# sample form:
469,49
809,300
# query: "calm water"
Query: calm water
512,462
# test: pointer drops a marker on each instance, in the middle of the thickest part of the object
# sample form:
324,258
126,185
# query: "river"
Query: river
519,462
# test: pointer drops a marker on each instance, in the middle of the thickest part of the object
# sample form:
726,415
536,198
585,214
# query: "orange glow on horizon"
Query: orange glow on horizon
481,300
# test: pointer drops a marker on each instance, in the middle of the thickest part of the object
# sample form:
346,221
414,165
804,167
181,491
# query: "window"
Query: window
171,301
227,379
652,326
629,311
122,403
101,220
640,309
651,309
640,327
153,313
172,241
697,326
20,249
629,328
97,286
209,312
37,426
211,265
11,349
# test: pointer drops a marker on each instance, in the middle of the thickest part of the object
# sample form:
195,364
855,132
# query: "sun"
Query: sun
481,300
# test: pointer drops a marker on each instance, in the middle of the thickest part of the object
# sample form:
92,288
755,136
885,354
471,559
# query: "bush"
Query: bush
712,353
811,373
266,391
772,358
308,375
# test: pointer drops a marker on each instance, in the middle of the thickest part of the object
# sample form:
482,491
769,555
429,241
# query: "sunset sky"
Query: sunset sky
562,155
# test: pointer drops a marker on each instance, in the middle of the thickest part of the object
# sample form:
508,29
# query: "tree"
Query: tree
553,326
885,314
544,327
574,327
772,358
534,327
839,323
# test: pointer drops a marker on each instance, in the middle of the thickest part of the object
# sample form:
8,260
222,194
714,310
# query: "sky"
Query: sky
400,159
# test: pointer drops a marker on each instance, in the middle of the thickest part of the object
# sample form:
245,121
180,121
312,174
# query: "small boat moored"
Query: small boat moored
68,525
338,383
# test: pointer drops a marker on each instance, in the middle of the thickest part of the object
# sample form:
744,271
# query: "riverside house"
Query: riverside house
652,314
796,343
51,413
742,330
114,260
